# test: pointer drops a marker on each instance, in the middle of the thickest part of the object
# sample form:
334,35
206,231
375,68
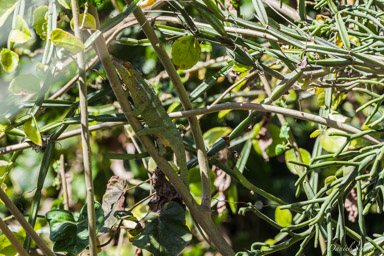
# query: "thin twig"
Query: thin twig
64,182
11,237
85,143
27,227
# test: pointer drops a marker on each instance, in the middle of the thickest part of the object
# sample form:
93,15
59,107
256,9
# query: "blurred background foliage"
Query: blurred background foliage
264,168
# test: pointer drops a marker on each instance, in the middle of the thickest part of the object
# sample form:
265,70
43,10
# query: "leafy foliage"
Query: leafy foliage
69,231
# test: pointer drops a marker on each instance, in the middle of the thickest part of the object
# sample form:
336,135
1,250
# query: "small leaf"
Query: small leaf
24,84
165,233
186,52
280,149
66,4
268,241
216,133
342,31
283,217
291,156
315,133
6,8
9,60
40,21
88,23
21,33
328,181
32,131
4,165
96,3
284,131
69,42
146,3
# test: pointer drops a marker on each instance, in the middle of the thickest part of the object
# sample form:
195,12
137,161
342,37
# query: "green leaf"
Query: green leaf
328,181
4,165
6,248
342,31
331,143
283,217
166,234
274,131
284,131
69,234
6,8
216,133
40,21
69,42
186,52
315,133
21,33
24,84
66,4
9,60
89,22
291,156
280,149
96,3
32,131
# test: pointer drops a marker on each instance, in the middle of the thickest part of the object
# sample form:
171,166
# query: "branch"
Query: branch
85,144
11,237
27,227
278,110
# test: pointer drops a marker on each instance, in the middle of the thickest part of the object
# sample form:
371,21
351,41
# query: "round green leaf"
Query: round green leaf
24,84
69,42
21,33
9,60
331,143
216,133
186,52
291,156
283,217
89,22
32,131
40,21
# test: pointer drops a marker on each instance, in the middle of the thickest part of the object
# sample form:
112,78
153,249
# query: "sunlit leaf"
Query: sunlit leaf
6,248
268,241
21,33
88,22
70,233
6,8
331,143
24,84
283,217
32,131
291,156
65,3
186,52
269,150
69,42
4,165
328,181
315,133
9,60
145,3
40,21
166,232
216,133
